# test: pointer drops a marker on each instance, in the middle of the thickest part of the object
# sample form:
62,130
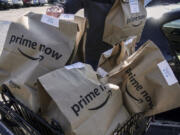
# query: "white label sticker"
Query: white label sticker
167,73
68,17
108,53
134,6
146,2
75,65
101,72
50,20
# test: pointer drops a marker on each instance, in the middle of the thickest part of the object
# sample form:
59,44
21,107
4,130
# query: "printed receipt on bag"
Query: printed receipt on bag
134,6
167,73
50,20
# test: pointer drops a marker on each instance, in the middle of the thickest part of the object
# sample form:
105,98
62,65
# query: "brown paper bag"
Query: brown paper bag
79,102
116,55
79,50
147,82
36,44
83,24
126,18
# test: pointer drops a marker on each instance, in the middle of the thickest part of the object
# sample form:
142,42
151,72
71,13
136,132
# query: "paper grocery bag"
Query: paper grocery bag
79,102
126,18
36,44
83,24
116,55
79,50
147,81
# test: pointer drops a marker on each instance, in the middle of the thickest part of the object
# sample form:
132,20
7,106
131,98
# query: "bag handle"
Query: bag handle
122,53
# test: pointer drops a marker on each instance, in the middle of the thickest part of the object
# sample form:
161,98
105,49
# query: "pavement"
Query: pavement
13,14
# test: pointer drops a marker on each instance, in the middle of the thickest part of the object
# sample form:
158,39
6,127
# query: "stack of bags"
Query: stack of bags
36,65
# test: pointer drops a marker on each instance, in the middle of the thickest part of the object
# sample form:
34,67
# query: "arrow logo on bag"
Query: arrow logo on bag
104,103
136,25
136,20
30,57
129,94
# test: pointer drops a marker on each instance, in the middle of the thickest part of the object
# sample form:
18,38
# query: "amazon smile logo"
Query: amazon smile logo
138,24
134,98
136,21
40,58
91,96
30,45
137,89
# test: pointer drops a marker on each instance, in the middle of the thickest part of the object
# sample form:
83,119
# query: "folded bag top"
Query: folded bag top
113,57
